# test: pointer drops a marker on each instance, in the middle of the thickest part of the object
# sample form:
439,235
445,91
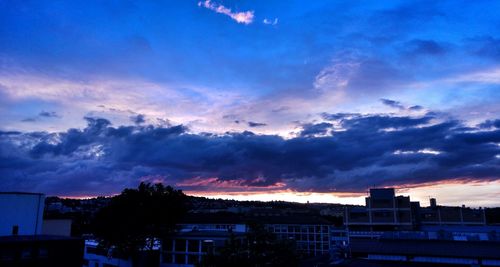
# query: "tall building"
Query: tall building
384,211
201,234
21,240
393,228
21,213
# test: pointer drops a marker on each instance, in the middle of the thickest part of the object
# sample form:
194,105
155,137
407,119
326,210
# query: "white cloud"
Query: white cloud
335,76
270,21
491,76
245,17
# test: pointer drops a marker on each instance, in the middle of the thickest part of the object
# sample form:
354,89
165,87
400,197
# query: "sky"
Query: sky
290,100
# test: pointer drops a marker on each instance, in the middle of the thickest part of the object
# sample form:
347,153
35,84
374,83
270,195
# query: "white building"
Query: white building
21,213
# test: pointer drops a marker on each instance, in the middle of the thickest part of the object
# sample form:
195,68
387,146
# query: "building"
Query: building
392,228
94,256
442,215
21,213
408,250
21,240
202,234
60,227
311,234
384,211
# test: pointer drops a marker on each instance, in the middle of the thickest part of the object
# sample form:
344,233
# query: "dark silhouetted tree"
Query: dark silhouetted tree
136,218
260,248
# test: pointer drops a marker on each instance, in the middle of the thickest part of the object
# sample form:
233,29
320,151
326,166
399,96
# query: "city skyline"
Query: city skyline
261,100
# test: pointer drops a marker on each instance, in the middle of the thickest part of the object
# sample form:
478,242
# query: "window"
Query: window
43,253
168,245
180,259
167,258
192,259
15,229
180,245
207,246
193,245
26,254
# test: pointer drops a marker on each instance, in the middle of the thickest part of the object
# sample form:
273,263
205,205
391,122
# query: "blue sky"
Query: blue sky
292,73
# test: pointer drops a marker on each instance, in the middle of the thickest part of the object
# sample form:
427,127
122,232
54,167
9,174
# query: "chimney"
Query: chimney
433,202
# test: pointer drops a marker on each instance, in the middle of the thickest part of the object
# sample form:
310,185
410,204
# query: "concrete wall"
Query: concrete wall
61,227
24,210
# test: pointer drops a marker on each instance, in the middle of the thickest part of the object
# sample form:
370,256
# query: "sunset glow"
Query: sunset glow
312,101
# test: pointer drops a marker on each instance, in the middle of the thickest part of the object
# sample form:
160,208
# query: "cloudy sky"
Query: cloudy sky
294,100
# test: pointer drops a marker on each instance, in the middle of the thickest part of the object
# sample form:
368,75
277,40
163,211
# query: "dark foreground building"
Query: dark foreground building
395,230
469,253
201,234
41,251
22,243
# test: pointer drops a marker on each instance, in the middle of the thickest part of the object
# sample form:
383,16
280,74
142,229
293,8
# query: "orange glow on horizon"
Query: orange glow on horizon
454,192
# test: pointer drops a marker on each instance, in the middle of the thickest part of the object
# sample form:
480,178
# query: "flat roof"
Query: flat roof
231,218
436,248
20,193
31,238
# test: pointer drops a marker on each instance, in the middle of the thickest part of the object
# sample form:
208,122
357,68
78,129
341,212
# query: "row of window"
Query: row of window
180,258
192,245
303,237
297,229
315,246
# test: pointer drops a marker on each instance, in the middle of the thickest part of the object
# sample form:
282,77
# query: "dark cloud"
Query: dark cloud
360,152
399,105
41,115
392,103
281,109
485,46
425,47
256,124
338,116
315,129
138,119
416,108
490,124
48,114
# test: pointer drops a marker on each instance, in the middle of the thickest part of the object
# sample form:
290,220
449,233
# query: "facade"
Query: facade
40,251
21,213
472,253
384,211
391,228
21,240
60,227
98,257
440,215
311,238
190,248
204,234
200,235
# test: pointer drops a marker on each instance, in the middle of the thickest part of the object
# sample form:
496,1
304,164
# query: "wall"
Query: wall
22,209
61,227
